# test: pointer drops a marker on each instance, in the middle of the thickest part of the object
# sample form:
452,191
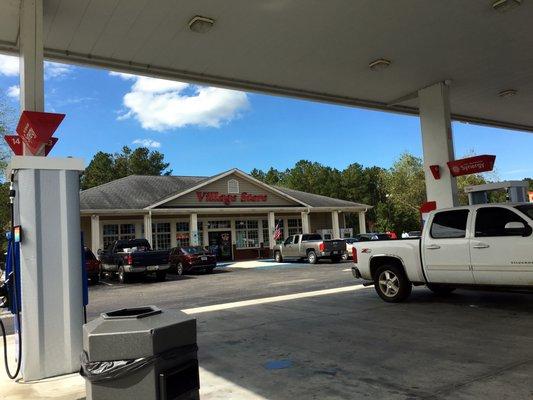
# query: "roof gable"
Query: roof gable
214,192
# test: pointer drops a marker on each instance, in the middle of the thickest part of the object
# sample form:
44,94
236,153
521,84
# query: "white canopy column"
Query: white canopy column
31,58
437,143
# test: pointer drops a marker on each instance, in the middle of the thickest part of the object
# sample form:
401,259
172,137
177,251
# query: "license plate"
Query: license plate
152,267
204,258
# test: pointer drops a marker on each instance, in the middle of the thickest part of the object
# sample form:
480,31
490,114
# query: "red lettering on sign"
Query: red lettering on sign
228,199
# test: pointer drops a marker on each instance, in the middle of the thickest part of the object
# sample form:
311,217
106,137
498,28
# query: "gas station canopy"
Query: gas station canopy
313,49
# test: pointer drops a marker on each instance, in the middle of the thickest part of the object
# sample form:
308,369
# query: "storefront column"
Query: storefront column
362,222
95,233
193,228
173,240
305,222
335,230
148,228
271,227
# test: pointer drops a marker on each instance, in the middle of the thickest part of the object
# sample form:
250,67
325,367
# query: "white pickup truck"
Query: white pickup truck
488,246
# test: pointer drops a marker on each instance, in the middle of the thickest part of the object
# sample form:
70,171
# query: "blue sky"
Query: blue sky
203,131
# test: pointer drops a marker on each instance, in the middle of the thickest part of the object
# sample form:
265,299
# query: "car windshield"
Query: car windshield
526,209
350,240
381,236
193,250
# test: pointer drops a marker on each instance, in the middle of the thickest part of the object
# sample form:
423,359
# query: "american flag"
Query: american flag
277,232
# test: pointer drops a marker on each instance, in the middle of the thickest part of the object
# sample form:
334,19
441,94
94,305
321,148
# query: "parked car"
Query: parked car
309,246
134,257
92,266
362,237
487,246
185,259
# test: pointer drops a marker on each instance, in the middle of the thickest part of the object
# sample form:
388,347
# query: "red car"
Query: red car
185,259
92,266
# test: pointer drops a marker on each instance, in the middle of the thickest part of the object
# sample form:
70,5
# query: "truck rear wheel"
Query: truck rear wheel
278,257
391,284
311,257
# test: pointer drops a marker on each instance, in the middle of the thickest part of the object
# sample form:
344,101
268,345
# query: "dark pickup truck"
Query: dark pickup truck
134,257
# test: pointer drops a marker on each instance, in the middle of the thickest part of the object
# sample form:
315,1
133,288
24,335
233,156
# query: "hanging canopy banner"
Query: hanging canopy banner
472,165
36,128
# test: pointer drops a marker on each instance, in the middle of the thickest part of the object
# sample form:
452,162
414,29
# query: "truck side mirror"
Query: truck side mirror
516,228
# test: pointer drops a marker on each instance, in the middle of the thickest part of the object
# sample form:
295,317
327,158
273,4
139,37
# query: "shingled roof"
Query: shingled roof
136,192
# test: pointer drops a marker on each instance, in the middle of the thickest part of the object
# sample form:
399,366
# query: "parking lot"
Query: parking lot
311,334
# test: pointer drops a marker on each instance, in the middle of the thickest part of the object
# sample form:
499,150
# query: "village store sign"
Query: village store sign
228,199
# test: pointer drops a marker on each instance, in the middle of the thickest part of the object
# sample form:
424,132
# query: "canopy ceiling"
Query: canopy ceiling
311,49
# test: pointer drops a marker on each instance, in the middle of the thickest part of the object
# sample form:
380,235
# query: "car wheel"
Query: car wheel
123,276
311,257
391,284
179,269
161,276
95,279
278,257
441,290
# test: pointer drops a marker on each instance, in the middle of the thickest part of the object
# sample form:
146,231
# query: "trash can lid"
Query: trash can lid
137,332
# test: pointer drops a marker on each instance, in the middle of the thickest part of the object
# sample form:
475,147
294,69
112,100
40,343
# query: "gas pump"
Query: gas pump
10,290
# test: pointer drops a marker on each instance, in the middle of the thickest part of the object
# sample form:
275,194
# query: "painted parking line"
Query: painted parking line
291,282
347,269
274,299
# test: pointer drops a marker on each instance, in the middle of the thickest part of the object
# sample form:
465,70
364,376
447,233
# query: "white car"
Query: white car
488,246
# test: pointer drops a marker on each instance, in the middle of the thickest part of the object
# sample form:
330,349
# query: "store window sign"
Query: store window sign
228,199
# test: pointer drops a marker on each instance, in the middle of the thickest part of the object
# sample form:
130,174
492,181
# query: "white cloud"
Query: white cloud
147,143
13,91
159,104
9,66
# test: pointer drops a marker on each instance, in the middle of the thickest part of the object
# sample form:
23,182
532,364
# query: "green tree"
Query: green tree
105,167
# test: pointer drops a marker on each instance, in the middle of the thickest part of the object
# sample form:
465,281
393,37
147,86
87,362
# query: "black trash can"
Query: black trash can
141,353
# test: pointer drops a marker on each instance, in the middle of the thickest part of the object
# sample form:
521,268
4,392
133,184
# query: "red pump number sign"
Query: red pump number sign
35,130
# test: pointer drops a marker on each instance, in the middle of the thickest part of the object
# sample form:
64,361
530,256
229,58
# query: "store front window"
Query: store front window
295,226
161,236
113,232
247,232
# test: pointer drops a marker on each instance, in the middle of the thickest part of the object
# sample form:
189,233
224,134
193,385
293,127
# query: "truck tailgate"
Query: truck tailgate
334,245
148,258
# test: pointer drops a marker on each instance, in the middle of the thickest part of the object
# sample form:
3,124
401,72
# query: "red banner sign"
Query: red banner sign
49,145
36,128
227,199
472,165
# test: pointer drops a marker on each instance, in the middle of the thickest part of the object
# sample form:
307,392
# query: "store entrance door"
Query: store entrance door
220,244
